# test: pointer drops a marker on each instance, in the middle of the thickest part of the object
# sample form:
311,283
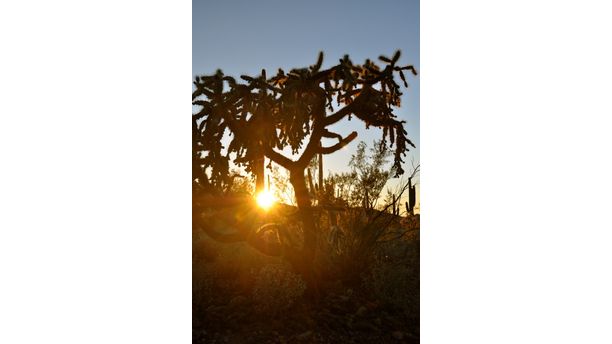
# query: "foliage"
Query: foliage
363,185
283,189
263,116
360,233
276,289
347,250
390,198
273,113
408,186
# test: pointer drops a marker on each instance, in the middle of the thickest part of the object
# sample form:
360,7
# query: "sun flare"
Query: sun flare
265,200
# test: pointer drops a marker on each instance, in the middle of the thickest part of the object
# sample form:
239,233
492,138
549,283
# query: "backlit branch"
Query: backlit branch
279,158
340,114
331,135
339,145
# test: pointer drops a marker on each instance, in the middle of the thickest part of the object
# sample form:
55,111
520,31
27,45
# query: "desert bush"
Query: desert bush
276,289
362,186
348,250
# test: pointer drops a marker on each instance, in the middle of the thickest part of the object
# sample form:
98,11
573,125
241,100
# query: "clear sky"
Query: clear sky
242,37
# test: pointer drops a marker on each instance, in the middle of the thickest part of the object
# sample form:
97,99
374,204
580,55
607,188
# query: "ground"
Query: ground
241,296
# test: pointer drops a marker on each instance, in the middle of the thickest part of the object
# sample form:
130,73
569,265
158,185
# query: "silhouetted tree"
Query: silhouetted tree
362,186
266,115
370,172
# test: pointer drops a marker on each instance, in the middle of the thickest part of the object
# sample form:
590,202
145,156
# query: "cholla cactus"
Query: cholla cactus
269,115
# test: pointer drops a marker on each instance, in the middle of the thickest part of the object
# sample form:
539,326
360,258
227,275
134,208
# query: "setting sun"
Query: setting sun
265,200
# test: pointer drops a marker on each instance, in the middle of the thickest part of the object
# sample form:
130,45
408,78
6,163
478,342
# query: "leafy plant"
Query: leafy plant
362,186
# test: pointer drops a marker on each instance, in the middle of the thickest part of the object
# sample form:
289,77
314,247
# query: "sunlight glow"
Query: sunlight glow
265,200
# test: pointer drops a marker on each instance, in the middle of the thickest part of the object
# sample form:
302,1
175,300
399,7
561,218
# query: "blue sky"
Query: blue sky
242,37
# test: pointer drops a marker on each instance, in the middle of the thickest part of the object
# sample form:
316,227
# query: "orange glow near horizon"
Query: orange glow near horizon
265,200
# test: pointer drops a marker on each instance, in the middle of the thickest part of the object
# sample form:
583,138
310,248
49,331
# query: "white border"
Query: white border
95,220
515,120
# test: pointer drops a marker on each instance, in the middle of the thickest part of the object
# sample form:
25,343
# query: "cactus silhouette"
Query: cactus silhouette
294,110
